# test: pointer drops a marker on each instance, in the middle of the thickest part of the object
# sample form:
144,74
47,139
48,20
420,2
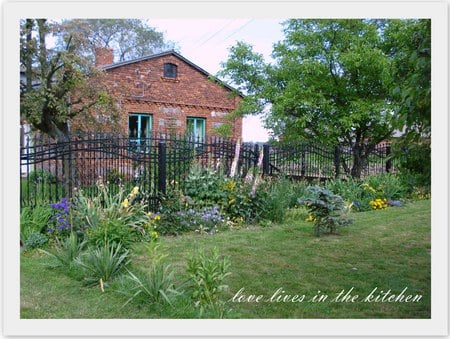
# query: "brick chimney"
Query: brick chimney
104,56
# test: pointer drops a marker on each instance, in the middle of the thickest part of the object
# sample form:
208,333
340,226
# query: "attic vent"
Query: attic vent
170,70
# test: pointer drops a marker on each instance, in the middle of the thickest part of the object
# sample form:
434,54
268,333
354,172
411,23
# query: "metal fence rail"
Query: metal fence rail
51,170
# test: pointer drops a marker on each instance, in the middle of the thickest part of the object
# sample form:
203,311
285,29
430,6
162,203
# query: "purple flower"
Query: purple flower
61,215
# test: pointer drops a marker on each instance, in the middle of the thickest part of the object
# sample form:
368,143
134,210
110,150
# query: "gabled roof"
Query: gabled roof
177,55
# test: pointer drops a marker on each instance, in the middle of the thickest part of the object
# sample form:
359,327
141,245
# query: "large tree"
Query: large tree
408,43
129,38
59,83
330,82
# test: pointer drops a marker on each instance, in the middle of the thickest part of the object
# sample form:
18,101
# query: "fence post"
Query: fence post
388,158
256,153
337,161
266,159
162,167
303,159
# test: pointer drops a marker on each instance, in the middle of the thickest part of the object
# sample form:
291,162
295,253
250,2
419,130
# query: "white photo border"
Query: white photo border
13,11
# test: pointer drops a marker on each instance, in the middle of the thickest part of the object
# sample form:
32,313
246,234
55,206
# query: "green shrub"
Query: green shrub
34,220
350,190
109,232
414,185
415,159
102,264
207,273
389,186
110,215
277,198
205,186
35,240
326,210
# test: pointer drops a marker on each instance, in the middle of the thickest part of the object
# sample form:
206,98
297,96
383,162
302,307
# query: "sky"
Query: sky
206,43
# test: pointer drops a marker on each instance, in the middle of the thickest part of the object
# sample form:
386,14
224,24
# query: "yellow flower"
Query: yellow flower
157,217
126,203
310,218
149,214
135,190
154,235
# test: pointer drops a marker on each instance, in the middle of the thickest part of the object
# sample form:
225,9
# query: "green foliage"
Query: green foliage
359,193
155,286
42,176
207,273
326,209
114,176
389,186
35,240
330,80
109,232
101,265
415,186
69,84
110,215
65,252
415,160
409,44
277,198
130,38
205,185
34,220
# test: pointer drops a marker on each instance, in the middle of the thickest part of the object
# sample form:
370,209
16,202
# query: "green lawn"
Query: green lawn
384,249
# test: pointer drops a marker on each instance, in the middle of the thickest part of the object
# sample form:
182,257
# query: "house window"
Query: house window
139,130
170,70
196,129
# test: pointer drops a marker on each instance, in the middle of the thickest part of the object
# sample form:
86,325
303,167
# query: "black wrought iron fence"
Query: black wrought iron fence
51,170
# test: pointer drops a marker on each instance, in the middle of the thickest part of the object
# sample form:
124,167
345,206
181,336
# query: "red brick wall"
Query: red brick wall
104,56
142,88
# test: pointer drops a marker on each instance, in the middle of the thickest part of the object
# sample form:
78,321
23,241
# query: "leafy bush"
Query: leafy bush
34,220
277,199
414,185
415,159
105,212
363,193
35,240
100,265
389,186
207,273
205,186
111,232
326,210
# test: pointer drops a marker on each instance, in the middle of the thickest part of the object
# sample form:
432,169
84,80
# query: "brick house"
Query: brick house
166,93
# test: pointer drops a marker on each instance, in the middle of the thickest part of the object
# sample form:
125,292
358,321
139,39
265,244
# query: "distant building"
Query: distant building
167,94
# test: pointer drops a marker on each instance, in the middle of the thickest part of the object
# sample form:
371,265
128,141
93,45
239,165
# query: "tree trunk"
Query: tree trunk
359,159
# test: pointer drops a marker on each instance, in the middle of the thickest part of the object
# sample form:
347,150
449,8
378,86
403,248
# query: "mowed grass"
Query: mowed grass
387,249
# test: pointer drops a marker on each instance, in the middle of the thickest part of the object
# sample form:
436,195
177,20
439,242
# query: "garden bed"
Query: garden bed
386,249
